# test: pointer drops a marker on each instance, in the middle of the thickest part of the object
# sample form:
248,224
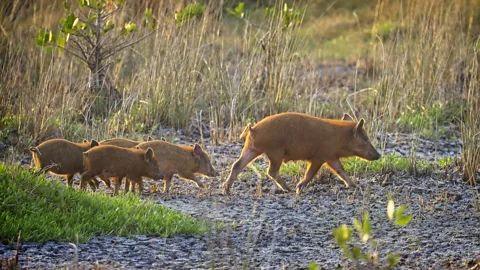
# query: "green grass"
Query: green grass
47,210
392,162
357,165
387,163
297,168
427,119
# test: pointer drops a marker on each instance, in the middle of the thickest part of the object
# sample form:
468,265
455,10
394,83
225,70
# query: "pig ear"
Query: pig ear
163,139
149,154
94,143
35,150
359,126
150,138
137,147
197,150
347,117
85,140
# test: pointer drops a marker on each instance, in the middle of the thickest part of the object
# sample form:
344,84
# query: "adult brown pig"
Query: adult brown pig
296,136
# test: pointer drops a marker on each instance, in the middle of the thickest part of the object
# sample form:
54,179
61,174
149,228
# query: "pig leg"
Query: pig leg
105,180
247,156
93,183
337,167
129,186
140,186
86,178
273,170
117,185
70,180
132,186
168,182
133,181
312,169
194,179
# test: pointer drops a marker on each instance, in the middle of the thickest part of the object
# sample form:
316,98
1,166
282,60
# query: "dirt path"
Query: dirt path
271,230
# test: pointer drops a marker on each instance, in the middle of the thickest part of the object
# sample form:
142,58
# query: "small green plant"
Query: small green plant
355,253
313,266
291,16
428,120
48,210
238,11
386,30
189,12
8,124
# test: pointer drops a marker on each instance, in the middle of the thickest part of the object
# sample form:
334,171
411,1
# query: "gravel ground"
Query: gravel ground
265,228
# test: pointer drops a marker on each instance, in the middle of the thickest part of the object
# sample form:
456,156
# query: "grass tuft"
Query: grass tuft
47,210
392,162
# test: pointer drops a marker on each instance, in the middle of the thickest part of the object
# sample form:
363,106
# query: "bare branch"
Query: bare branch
85,18
111,13
249,22
84,36
80,48
122,47
70,52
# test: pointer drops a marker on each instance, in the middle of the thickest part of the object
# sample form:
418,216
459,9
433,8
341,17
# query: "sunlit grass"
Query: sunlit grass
47,210
358,166
392,163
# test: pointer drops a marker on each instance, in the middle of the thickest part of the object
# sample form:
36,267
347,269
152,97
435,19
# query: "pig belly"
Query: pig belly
301,152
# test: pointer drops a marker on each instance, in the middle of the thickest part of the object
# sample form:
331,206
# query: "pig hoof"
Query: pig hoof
351,185
299,188
282,190
226,191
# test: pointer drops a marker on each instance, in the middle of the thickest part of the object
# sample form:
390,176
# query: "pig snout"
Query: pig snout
214,174
373,154
369,153
376,155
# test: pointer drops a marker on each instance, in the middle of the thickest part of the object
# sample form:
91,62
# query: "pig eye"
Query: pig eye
364,136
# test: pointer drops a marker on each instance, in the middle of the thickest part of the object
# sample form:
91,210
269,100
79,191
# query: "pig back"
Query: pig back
171,158
114,160
297,136
67,155
120,142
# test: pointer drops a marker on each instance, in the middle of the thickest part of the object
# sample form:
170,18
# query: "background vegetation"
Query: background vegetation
403,65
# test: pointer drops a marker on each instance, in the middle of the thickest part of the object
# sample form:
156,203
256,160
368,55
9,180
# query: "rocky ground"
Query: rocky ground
265,228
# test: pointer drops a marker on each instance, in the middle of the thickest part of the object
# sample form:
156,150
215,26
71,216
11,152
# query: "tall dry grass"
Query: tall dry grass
432,59
216,73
